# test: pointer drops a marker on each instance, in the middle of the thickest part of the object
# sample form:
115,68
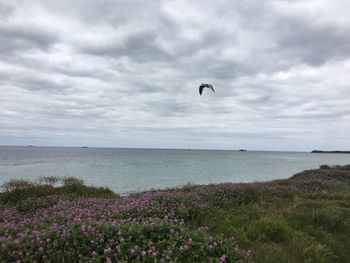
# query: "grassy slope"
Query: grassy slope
302,219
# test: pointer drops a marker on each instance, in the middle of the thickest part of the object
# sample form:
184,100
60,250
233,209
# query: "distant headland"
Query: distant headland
242,150
318,151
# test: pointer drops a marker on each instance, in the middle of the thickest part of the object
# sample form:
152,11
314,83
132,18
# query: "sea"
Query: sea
132,170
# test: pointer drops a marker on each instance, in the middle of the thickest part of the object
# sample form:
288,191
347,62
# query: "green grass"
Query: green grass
302,219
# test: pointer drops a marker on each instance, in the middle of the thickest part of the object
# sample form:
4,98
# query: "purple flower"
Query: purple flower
94,254
143,253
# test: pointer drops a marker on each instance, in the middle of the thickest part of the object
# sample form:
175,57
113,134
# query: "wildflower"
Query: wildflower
189,241
117,247
222,258
143,253
107,250
94,254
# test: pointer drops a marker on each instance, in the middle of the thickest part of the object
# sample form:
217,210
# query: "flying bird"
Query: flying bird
202,86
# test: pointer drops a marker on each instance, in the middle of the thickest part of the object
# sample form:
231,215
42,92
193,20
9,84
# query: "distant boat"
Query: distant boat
84,147
30,146
242,150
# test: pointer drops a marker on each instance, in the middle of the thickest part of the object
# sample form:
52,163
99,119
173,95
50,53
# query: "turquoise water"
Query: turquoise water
129,170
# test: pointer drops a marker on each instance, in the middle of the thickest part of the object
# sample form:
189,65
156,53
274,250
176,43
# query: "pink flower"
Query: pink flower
189,241
107,250
94,254
143,253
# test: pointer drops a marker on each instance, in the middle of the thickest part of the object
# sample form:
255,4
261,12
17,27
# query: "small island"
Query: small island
242,150
318,151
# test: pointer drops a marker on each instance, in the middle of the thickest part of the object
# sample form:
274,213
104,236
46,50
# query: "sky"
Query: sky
113,73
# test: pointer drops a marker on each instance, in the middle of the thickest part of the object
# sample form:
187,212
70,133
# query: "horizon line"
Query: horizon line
156,148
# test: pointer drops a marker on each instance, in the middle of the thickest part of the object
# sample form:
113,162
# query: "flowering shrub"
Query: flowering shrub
147,227
304,218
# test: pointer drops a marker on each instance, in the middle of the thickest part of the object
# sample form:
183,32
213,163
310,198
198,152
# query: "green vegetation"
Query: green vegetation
17,191
302,219
305,218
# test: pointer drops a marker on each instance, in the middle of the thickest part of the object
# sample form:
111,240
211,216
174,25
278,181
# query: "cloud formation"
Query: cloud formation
126,73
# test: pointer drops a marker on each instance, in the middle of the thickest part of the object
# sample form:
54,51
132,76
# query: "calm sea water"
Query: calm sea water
129,170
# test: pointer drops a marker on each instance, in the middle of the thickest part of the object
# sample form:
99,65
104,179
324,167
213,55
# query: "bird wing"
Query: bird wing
201,87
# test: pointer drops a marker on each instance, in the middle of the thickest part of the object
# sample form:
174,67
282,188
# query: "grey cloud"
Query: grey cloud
313,44
15,37
140,46
6,11
34,83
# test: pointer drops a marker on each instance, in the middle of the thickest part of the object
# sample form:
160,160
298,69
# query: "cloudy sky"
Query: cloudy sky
126,73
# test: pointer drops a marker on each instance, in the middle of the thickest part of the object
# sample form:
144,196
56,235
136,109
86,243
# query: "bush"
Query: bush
16,184
72,181
18,190
275,229
49,180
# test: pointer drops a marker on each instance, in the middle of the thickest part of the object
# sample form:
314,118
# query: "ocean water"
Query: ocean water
130,170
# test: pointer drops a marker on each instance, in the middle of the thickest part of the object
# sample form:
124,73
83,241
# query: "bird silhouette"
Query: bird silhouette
202,86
